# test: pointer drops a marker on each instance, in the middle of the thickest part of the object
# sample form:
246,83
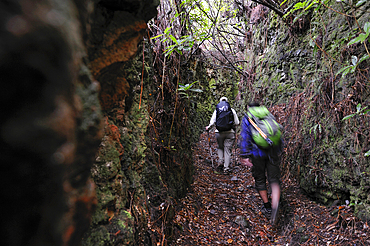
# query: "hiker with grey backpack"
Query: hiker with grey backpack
260,149
225,119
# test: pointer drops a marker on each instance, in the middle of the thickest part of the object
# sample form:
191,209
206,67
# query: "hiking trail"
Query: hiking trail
225,210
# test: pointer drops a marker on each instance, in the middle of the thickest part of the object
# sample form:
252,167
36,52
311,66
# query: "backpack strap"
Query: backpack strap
260,131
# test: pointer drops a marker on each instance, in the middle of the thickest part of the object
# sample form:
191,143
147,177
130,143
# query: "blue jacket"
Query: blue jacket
247,145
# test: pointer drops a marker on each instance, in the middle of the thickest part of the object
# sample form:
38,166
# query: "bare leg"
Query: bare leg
263,194
275,202
275,197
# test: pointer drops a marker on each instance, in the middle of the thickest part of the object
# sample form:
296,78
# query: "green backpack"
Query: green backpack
266,132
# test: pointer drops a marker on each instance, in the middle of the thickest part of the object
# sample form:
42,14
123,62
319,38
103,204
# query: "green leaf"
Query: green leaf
168,53
367,27
362,109
367,153
343,69
347,71
167,29
355,40
283,2
366,111
348,117
196,90
171,47
363,37
160,35
360,2
309,6
358,107
363,58
173,39
299,5
169,50
315,49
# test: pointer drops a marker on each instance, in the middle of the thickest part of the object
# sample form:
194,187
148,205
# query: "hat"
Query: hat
223,99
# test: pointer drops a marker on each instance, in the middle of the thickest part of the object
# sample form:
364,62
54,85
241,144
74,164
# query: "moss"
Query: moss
212,83
107,164
98,237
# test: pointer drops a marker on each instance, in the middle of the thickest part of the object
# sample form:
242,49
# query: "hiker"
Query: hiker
263,157
226,120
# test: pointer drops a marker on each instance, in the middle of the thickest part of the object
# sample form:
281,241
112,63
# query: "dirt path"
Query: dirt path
211,213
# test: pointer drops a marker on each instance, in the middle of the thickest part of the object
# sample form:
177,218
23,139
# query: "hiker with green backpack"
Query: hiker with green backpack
260,148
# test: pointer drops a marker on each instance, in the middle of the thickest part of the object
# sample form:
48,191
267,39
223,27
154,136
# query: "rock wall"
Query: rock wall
144,162
50,124
84,144
295,67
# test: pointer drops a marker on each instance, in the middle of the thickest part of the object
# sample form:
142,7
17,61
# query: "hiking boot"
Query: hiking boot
220,167
266,212
227,171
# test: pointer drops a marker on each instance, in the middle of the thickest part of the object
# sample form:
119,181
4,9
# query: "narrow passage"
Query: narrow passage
225,210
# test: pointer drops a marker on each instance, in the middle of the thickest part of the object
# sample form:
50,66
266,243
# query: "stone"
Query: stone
241,221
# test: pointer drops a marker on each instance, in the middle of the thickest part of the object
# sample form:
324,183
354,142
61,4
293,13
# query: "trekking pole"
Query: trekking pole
210,148
235,145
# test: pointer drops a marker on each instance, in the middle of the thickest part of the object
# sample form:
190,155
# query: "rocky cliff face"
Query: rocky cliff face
50,124
296,66
91,155
137,177
74,140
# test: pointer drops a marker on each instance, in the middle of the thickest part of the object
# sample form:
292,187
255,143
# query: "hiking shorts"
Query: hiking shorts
263,165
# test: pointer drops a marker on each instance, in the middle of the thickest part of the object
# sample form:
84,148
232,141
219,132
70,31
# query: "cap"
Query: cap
223,99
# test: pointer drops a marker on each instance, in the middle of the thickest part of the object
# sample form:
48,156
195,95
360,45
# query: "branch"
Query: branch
239,30
227,41
209,31
236,68
271,6
234,34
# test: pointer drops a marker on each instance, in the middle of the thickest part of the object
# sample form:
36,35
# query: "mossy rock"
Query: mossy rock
99,236
107,163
